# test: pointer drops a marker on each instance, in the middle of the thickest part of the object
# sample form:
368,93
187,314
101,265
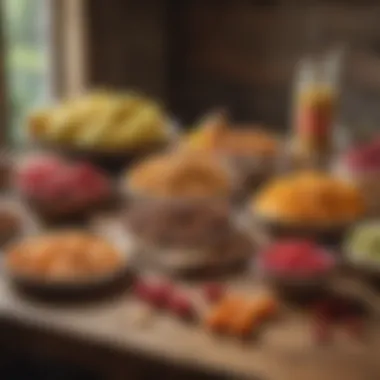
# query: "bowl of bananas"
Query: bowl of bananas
106,127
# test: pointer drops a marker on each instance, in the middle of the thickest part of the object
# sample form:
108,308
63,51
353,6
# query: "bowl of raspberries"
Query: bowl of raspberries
60,190
297,265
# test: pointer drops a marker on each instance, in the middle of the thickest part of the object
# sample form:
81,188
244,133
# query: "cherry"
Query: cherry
213,292
161,294
142,290
181,306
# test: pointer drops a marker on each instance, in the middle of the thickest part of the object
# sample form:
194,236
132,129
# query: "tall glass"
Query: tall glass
315,102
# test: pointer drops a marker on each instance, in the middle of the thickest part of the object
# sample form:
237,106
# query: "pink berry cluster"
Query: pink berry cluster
50,178
365,157
166,295
297,257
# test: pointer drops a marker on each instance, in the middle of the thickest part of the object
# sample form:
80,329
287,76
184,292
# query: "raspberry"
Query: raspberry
181,306
157,295
142,290
213,292
300,257
161,294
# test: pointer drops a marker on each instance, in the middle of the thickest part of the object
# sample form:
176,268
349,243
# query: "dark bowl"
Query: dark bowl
61,212
331,235
298,286
113,161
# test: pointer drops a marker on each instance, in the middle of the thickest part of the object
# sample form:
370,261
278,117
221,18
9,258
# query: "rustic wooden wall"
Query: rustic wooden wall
238,53
127,44
242,54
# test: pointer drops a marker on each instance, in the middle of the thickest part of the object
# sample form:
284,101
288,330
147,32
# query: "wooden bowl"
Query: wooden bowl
86,286
113,161
53,213
299,284
330,235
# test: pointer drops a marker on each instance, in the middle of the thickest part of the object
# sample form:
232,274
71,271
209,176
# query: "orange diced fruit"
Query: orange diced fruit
220,316
252,315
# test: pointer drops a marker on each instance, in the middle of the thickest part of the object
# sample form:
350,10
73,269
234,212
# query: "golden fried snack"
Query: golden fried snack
239,316
63,256
181,175
219,318
252,315
311,198
215,134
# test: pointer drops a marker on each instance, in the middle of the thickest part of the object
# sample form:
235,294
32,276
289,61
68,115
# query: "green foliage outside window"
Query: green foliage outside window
27,65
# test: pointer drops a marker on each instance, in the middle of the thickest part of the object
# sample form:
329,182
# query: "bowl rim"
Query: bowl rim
172,133
301,225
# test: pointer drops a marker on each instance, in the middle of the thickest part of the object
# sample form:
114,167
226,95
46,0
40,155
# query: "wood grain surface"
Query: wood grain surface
84,331
286,349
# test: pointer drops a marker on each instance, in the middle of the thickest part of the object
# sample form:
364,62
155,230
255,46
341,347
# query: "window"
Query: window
27,45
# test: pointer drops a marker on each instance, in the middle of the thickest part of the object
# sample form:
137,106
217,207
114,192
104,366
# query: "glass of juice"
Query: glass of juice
315,102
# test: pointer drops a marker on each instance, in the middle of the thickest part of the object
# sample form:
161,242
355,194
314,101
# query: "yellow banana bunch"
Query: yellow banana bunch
102,120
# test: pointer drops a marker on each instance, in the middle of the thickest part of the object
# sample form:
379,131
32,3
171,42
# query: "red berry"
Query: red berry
213,292
87,182
100,189
161,294
142,290
355,326
35,173
181,306
322,330
158,295
84,171
299,257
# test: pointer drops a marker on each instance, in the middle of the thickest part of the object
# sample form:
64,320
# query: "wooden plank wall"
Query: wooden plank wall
242,54
127,44
200,54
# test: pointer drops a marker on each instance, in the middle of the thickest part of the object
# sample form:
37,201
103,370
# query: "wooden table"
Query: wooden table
103,335
285,351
